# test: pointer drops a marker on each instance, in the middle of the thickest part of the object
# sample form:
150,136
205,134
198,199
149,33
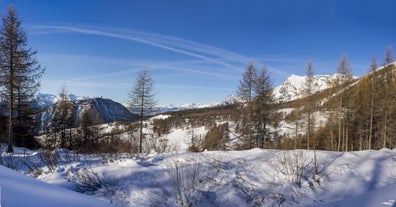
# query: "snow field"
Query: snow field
20,190
254,177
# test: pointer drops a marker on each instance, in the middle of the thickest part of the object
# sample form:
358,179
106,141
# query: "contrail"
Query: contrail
182,46
135,39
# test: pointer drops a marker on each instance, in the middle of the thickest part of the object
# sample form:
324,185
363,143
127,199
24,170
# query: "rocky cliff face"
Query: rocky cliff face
105,110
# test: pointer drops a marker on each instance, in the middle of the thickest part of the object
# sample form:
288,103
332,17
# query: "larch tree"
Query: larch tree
20,75
344,77
263,106
142,100
63,118
373,85
310,108
246,90
87,121
387,101
388,55
309,104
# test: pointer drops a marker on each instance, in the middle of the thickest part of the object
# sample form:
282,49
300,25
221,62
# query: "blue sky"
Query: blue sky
196,51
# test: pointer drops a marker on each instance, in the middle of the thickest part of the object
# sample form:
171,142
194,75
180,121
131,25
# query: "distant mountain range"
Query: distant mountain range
107,111
232,99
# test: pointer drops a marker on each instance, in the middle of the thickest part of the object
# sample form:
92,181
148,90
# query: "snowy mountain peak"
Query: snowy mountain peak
232,99
46,100
293,87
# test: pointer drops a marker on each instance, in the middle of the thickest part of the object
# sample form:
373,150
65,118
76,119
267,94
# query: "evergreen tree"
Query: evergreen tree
142,100
19,76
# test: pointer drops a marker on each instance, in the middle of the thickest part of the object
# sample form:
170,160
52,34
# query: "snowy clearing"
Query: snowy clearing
20,190
235,178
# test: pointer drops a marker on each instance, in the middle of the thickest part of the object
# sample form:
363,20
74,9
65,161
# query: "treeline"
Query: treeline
354,114
359,113
367,116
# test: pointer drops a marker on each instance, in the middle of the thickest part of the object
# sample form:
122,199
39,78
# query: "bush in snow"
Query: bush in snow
184,179
89,181
294,165
49,158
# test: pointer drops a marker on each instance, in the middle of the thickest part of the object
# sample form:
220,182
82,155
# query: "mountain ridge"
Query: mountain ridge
291,89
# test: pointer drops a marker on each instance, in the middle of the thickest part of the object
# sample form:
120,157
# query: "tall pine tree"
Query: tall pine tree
20,75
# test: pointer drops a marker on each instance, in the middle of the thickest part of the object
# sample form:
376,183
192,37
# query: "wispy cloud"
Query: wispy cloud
211,54
147,41
130,66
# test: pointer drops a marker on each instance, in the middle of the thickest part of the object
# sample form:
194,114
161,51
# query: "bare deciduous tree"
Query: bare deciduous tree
142,100
63,117
246,92
19,73
344,77
309,106
388,55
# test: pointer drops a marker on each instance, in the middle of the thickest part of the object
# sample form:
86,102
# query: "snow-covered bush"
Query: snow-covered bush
185,182
89,181
49,158
294,165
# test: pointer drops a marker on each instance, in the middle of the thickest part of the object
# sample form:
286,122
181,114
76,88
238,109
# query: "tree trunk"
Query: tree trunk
11,109
141,121
385,129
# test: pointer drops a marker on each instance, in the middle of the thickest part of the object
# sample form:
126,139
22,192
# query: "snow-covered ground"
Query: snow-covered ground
235,178
20,190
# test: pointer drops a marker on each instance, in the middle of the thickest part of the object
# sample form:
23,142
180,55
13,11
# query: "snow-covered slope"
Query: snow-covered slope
293,87
384,196
20,190
256,177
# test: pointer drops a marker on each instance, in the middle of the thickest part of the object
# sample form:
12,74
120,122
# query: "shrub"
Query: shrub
184,179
